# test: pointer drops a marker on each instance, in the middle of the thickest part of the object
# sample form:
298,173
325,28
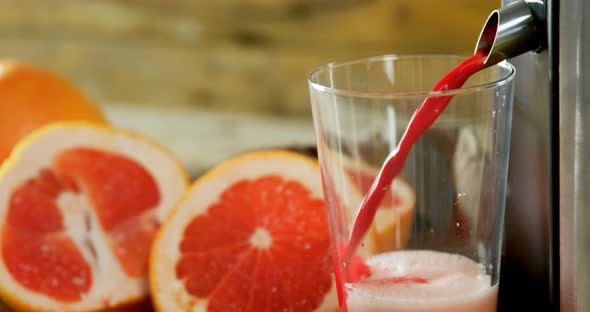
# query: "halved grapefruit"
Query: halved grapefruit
79,207
250,235
393,219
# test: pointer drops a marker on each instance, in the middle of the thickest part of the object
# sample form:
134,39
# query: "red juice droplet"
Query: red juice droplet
423,118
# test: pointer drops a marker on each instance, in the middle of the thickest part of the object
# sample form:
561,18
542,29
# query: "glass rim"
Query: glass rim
504,79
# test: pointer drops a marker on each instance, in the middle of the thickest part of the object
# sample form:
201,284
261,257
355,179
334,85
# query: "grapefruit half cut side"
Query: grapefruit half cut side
393,220
250,235
79,207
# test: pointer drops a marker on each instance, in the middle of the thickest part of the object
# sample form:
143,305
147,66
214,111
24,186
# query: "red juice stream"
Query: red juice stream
423,118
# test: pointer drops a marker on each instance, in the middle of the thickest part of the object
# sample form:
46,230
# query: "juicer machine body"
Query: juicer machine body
546,258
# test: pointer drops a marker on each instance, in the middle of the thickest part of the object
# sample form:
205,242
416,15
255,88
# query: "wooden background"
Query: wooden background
248,55
213,78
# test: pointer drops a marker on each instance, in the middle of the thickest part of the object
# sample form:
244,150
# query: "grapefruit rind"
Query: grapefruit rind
111,288
168,293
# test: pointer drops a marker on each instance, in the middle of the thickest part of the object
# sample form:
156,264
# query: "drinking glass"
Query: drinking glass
442,218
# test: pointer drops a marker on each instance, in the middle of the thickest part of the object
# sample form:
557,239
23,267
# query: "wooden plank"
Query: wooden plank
220,78
229,55
397,23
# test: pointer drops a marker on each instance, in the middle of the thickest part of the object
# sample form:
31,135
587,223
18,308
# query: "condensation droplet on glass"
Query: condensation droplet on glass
458,224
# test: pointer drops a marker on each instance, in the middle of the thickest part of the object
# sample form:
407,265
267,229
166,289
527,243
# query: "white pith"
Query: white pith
169,292
261,238
110,286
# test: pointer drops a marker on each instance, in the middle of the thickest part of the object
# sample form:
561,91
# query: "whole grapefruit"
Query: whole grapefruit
31,97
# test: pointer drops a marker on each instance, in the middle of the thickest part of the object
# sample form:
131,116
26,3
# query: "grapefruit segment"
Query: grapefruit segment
79,208
49,264
201,272
119,187
250,235
131,243
35,249
32,205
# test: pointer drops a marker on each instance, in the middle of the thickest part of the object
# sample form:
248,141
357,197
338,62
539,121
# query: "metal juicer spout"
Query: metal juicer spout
512,30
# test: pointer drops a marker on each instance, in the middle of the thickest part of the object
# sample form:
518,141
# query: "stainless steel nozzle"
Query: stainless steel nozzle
513,30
